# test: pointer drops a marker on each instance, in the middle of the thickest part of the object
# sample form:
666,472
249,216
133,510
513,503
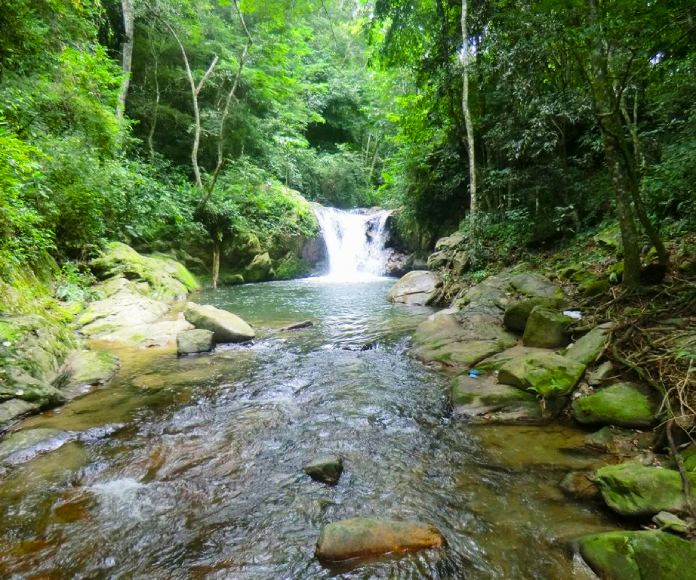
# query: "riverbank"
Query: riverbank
527,349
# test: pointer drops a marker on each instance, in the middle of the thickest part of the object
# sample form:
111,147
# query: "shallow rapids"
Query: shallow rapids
197,469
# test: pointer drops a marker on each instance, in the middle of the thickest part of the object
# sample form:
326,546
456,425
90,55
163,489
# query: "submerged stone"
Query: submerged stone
225,326
622,404
580,485
326,469
545,373
631,489
366,537
619,441
640,555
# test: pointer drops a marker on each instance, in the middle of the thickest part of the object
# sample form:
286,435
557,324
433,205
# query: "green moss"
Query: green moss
546,374
638,555
623,404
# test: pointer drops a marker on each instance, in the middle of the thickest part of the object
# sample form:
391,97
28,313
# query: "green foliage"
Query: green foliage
73,284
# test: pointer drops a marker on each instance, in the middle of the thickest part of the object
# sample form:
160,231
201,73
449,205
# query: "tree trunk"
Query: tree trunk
465,57
216,261
126,56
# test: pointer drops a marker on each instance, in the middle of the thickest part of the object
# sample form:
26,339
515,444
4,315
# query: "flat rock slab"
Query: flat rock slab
483,400
367,537
587,349
547,374
639,555
325,469
225,326
15,408
415,288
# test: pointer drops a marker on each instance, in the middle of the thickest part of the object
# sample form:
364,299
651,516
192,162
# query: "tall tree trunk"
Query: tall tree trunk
126,55
465,57
606,101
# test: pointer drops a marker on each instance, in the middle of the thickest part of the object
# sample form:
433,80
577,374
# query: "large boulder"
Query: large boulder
89,368
544,373
19,384
194,341
326,469
631,489
482,400
398,263
225,326
160,276
366,537
546,328
622,404
587,349
640,555
419,287
259,269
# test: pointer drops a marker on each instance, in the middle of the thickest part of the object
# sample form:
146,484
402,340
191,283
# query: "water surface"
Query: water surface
192,467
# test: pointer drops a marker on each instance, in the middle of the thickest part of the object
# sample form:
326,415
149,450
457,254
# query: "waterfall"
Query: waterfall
354,242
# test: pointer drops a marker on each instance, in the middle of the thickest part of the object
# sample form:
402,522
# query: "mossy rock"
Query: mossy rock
547,374
594,287
631,489
231,279
517,314
325,469
164,278
18,384
225,326
535,285
622,404
586,349
610,238
547,328
259,269
618,441
642,555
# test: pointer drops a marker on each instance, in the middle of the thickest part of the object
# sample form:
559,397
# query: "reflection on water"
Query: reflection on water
203,476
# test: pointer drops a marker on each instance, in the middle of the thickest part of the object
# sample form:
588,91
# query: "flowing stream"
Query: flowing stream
192,467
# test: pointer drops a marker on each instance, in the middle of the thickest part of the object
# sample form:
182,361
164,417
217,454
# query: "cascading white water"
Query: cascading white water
354,242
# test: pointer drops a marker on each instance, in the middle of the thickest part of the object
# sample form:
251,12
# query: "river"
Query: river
192,467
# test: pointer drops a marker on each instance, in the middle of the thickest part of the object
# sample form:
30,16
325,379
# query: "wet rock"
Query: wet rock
622,404
194,341
14,409
365,537
631,489
671,523
415,288
545,373
586,349
517,314
23,441
482,400
398,263
259,269
464,353
638,555
225,326
92,367
580,485
326,469
298,326
535,285
546,328
21,385
617,441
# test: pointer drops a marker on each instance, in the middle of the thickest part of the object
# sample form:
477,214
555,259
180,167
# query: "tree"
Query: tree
466,58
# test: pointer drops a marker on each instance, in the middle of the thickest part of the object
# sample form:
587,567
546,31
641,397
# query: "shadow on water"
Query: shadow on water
202,474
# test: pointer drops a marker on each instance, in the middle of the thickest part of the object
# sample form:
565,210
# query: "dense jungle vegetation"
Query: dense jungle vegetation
167,123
